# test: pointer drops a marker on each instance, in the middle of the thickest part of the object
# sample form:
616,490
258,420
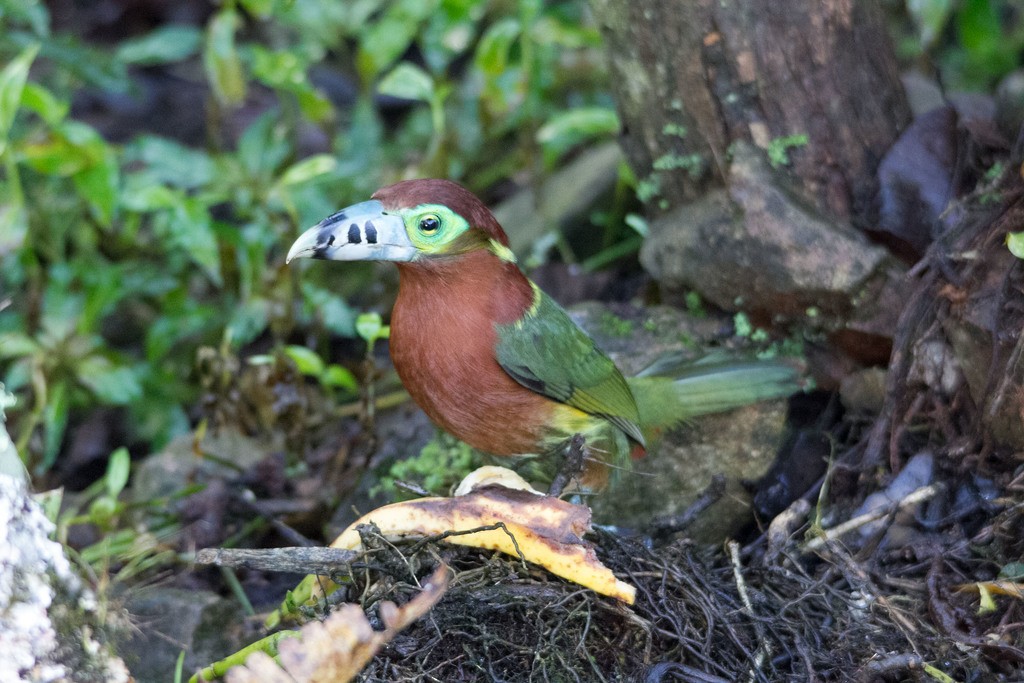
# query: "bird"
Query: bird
495,361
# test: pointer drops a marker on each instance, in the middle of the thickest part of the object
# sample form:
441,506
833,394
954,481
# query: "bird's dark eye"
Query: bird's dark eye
429,225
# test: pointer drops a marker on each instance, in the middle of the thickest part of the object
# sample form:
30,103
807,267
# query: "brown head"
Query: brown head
426,191
414,221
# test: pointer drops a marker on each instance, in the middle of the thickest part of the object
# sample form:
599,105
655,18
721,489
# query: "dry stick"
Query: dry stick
664,526
919,496
765,648
255,507
785,524
293,560
572,464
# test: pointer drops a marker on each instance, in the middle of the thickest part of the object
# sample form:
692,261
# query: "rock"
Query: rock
917,180
1010,104
758,247
936,366
10,462
863,392
565,195
634,337
168,472
923,93
918,472
1001,401
740,444
51,627
170,620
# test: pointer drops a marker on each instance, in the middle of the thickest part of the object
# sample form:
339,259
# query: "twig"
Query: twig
247,500
785,523
765,648
663,526
571,465
466,532
295,560
919,496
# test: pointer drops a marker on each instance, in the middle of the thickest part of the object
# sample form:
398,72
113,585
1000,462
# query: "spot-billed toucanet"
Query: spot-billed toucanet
495,361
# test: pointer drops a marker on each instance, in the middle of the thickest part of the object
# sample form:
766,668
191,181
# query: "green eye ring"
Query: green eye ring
429,224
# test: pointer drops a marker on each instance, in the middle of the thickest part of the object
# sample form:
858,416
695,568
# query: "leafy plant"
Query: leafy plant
975,42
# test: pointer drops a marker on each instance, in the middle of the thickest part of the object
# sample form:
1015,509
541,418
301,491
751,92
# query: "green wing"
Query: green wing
548,353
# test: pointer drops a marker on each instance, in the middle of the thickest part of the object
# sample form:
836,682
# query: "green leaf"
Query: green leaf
118,467
30,12
449,32
179,329
982,35
13,224
307,361
111,384
263,146
170,162
384,40
408,82
638,223
101,510
104,287
1015,243
577,124
55,422
307,169
249,320
98,185
16,344
45,104
221,60
930,16
262,9
191,229
285,70
370,327
340,377
12,82
72,148
979,25
1012,571
80,61
167,44
337,316
493,51
146,197
54,156
778,148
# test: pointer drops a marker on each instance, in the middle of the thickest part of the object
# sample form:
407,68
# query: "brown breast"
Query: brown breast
442,344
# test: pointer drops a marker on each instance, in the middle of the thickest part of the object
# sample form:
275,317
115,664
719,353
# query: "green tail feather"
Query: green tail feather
707,386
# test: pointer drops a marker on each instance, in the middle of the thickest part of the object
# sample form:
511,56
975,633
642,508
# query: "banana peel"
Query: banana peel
495,509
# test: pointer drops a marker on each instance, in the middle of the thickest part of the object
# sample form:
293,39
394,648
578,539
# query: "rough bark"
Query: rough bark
694,77
755,130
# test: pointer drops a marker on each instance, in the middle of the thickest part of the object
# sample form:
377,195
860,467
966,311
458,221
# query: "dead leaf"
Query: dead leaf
337,649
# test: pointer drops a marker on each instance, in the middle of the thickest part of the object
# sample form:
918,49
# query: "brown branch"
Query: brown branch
296,560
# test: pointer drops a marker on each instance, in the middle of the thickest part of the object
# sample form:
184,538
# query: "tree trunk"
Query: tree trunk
694,77
755,130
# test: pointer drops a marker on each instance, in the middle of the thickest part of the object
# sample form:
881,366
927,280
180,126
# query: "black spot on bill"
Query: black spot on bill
371,233
353,234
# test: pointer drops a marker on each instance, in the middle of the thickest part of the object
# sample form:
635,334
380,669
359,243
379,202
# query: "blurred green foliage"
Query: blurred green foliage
973,43
119,261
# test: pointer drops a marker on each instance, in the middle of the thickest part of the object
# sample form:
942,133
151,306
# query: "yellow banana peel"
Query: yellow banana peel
542,530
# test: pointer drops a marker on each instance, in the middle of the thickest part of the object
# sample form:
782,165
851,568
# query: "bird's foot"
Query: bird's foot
572,465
